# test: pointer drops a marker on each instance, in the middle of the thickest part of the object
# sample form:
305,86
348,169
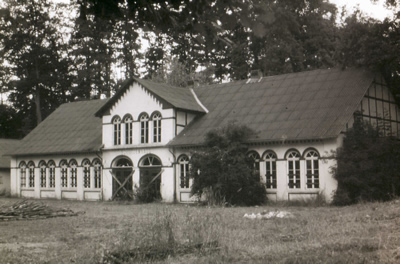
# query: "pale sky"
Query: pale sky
375,10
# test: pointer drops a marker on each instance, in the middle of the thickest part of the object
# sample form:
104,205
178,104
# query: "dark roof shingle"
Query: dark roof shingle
306,105
71,128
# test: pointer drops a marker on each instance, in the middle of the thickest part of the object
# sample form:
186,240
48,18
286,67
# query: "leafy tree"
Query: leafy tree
10,122
365,42
29,41
224,171
368,167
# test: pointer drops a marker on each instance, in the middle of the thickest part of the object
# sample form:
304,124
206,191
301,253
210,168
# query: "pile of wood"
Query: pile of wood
31,210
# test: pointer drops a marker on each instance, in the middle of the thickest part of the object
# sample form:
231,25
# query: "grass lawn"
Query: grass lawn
365,233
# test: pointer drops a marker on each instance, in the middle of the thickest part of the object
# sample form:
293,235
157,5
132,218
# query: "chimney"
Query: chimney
255,76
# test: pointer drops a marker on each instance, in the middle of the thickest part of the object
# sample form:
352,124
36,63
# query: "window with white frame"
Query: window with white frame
312,169
156,127
256,161
86,173
64,173
270,169
293,163
183,162
117,130
128,121
52,174
97,173
22,174
144,128
74,170
31,177
43,178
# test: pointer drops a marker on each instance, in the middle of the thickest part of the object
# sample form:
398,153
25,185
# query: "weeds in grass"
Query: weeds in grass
163,235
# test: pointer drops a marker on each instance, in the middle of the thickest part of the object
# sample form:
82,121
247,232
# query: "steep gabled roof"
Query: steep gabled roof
6,145
298,106
71,128
169,96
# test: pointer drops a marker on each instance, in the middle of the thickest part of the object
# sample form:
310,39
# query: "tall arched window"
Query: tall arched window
184,171
144,128
156,127
270,169
42,166
64,173
97,173
31,169
52,174
22,174
117,130
293,161
128,121
312,168
256,161
74,169
86,173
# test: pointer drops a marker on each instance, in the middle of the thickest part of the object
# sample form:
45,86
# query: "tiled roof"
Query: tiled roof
298,106
6,145
71,128
170,96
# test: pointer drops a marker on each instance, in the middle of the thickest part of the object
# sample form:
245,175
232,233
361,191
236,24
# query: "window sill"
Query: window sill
304,191
27,188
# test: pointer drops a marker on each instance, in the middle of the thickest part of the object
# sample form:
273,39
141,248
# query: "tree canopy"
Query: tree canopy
54,53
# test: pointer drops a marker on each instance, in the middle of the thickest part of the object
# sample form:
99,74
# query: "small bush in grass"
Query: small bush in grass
368,167
224,172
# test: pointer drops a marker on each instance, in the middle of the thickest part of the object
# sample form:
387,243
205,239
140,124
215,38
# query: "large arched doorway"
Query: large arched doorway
150,178
122,185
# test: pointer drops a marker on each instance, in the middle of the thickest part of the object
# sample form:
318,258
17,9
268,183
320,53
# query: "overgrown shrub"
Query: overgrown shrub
224,172
368,166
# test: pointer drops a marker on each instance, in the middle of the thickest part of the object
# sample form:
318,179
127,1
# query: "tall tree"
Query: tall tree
29,37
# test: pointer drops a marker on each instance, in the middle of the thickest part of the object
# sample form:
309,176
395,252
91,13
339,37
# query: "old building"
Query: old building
145,134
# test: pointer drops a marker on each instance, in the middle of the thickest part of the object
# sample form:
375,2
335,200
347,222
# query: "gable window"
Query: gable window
73,167
64,173
128,121
31,169
86,173
184,171
22,173
52,174
270,170
312,169
144,128
97,173
256,161
43,177
156,127
117,130
293,163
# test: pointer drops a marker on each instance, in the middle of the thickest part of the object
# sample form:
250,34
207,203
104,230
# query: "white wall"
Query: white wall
327,184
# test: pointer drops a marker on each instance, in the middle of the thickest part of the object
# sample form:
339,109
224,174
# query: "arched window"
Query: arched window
270,169
31,168
117,130
74,169
64,173
150,161
42,166
256,161
184,171
86,173
22,173
312,168
128,121
144,128
52,174
97,173
156,127
293,161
